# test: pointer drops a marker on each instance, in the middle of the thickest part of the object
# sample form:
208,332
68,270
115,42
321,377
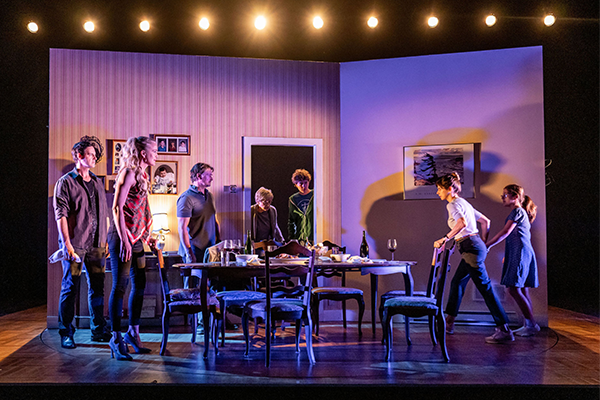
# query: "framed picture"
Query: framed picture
173,144
115,155
424,165
163,177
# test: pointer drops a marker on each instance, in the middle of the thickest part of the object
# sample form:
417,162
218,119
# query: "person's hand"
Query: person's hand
439,243
152,243
190,255
70,252
125,250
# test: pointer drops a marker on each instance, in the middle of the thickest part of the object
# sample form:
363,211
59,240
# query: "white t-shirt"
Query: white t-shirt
460,208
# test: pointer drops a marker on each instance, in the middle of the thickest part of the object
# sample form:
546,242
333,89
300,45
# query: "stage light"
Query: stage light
372,22
318,22
433,22
204,24
145,26
549,20
260,23
32,27
89,26
490,20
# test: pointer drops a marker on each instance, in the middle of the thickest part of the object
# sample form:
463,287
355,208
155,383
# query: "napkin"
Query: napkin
60,255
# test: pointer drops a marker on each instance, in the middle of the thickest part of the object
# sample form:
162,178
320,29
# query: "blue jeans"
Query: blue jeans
93,260
122,272
472,266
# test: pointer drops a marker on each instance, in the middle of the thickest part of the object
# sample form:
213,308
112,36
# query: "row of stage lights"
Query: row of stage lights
260,23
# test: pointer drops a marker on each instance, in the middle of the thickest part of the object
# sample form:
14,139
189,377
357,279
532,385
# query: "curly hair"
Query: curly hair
300,175
132,158
450,181
84,143
528,205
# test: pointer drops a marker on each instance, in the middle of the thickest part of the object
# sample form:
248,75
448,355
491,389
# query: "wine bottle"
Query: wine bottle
249,248
364,247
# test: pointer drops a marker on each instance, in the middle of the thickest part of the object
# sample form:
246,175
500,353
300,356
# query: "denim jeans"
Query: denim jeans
93,260
472,266
122,272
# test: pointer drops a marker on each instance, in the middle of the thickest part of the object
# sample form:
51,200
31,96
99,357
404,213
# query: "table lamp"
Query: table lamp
160,228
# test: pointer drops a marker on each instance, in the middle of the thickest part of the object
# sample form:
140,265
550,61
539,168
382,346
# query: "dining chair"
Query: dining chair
421,306
284,309
186,301
337,293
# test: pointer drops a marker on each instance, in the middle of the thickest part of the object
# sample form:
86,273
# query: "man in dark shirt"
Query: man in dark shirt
300,220
81,215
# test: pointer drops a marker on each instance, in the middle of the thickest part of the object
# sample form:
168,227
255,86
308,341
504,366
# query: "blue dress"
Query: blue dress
520,266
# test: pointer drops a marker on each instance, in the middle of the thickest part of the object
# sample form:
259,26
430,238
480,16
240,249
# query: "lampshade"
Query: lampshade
160,223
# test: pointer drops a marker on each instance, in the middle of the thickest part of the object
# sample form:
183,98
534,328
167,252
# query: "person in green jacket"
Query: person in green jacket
300,220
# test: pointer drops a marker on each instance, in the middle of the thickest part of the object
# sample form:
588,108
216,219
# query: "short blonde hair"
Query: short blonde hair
263,194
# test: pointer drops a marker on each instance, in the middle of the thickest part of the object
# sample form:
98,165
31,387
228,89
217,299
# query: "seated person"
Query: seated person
164,182
263,221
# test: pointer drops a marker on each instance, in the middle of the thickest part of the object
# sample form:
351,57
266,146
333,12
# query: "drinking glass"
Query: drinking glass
392,245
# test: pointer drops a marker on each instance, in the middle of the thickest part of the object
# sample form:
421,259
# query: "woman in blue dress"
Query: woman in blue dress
519,271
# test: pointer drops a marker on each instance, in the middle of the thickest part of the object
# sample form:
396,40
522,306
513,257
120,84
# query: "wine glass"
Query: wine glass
392,245
237,246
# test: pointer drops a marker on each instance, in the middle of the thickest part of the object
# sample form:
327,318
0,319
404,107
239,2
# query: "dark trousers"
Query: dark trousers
472,266
93,260
122,272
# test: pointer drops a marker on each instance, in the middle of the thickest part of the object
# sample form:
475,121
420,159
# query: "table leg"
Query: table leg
205,316
374,284
408,281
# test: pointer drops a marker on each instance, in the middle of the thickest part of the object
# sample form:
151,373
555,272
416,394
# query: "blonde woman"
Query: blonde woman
130,229
519,270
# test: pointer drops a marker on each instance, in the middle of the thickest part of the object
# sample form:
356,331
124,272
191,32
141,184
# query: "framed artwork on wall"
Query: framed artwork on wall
172,144
424,165
115,155
163,177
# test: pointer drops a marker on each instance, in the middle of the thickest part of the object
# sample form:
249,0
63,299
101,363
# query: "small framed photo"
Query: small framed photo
163,177
172,144
115,155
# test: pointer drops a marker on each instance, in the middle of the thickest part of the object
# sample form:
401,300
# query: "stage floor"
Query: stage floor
565,354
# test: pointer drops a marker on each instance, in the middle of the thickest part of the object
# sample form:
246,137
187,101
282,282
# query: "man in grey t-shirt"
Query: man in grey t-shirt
196,215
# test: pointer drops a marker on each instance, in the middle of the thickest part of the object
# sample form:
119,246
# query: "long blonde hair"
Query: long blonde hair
528,205
132,158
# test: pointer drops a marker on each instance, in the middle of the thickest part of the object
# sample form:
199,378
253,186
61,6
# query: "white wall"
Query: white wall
492,97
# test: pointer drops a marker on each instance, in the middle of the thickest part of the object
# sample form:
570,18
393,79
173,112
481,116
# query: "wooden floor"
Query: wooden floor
567,354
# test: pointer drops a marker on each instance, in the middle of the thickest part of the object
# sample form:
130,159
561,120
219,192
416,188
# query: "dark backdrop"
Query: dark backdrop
570,96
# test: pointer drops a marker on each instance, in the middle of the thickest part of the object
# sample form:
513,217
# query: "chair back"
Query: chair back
286,270
447,251
164,281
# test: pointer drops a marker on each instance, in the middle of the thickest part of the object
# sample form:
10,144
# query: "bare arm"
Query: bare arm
484,223
500,236
125,181
459,226
184,237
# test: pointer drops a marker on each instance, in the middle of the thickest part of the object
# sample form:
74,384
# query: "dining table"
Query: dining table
232,270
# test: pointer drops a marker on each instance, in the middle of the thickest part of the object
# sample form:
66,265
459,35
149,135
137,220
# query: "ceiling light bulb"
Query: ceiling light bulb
260,23
145,26
433,22
32,27
490,20
372,22
204,24
549,20
318,22
89,26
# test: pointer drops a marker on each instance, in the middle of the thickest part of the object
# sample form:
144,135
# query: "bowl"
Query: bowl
244,259
340,257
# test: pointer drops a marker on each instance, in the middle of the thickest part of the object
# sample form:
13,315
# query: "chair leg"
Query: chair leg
407,329
308,339
268,340
246,333
432,329
165,329
298,326
344,313
215,327
361,312
383,334
316,302
223,305
194,327
441,327
389,334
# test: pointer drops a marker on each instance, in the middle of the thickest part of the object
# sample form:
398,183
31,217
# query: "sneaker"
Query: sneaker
67,342
528,331
519,329
449,328
500,337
